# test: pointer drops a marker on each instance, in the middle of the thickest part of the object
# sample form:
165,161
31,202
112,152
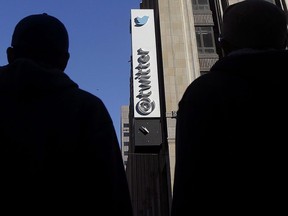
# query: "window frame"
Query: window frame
200,32
198,6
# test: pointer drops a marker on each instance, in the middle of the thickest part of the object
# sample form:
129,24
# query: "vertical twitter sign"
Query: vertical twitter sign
144,63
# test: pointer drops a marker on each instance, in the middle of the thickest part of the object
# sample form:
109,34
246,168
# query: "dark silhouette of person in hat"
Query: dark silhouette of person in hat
59,153
231,130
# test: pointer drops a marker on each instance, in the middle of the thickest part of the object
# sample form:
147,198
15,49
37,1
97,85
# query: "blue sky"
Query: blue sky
100,43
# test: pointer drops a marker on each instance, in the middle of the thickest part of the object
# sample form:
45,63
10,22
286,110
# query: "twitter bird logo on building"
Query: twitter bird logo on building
140,21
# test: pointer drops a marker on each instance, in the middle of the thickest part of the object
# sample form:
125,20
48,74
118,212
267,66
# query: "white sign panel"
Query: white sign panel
145,71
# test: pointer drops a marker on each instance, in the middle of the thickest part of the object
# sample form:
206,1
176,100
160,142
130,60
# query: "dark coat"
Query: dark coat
58,147
232,137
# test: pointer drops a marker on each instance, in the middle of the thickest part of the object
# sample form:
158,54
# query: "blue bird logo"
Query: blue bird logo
140,21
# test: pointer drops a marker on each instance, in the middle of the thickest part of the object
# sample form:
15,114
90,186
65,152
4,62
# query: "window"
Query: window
126,134
126,143
205,40
200,5
125,125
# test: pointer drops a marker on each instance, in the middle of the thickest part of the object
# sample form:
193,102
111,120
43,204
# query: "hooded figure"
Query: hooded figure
231,130
58,148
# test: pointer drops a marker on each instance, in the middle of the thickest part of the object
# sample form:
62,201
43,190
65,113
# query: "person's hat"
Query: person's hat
40,32
254,24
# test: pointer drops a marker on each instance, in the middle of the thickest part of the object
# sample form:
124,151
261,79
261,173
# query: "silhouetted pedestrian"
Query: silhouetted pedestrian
231,132
59,152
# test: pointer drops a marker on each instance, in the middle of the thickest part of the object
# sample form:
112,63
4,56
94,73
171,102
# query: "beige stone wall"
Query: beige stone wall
124,120
286,1
180,59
